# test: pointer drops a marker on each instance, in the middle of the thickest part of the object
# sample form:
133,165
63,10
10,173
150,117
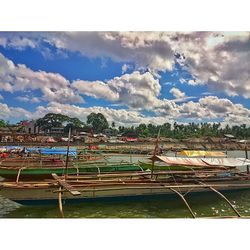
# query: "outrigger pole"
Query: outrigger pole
224,197
185,201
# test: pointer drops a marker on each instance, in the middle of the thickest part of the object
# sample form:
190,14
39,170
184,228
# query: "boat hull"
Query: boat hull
49,196
42,173
147,165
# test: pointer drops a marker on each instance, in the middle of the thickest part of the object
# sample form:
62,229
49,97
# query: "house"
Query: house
130,137
110,132
29,127
56,130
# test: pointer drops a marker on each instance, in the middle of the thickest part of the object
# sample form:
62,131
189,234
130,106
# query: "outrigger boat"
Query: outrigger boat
110,186
41,171
40,166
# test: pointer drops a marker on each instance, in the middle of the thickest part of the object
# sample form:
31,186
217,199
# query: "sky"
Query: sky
130,77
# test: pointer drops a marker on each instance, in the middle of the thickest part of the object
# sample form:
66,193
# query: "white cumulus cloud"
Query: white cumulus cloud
177,93
53,86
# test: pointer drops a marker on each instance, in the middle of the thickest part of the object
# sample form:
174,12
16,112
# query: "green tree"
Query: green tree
74,123
3,124
142,130
98,122
52,120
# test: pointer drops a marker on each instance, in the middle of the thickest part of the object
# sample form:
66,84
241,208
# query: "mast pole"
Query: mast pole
246,154
155,151
67,155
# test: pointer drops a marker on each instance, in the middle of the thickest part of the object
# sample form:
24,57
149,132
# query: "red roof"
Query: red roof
131,139
24,123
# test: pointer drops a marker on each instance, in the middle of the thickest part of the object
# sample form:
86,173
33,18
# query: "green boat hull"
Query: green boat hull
147,165
40,173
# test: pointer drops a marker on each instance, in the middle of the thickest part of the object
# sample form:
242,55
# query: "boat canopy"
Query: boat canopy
203,162
182,161
193,153
227,162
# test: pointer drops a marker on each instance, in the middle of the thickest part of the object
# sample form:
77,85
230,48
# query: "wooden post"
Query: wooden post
67,156
60,201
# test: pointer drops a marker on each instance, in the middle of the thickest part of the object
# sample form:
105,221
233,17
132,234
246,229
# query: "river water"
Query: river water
207,205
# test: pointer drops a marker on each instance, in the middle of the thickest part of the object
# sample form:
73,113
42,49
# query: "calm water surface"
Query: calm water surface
203,205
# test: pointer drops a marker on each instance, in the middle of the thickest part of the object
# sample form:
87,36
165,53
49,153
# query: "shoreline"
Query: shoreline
143,146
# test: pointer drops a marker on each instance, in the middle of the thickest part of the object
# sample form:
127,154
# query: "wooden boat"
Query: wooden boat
45,161
107,186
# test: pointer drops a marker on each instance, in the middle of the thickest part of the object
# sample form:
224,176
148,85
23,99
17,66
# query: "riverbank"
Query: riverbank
146,147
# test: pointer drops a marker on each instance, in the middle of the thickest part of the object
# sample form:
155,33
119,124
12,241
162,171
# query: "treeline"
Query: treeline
181,131
97,123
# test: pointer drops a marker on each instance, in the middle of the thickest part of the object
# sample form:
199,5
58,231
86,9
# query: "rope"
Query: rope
174,178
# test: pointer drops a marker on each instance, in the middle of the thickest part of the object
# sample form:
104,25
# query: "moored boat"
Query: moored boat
91,187
40,172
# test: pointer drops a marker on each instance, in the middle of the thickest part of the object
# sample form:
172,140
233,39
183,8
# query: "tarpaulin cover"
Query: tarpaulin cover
193,153
33,150
182,161
14,147
204,162
10,148
54,151
227,162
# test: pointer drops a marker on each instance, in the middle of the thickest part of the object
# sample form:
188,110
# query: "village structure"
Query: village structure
27,132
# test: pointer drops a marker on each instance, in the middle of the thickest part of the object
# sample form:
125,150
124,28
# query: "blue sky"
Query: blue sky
131,77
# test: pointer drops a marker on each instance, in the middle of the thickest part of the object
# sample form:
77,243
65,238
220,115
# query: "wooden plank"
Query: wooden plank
90,188
129,174
65,185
